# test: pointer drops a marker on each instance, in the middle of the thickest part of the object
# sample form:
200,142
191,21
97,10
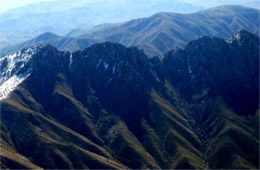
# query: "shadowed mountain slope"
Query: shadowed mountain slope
110,106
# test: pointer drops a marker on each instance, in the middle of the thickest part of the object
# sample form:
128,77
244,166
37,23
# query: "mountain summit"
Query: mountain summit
110,106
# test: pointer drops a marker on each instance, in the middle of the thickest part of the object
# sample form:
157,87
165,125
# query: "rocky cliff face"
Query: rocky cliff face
227,68
109,106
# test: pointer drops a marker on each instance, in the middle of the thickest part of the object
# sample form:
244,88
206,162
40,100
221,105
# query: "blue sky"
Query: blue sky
6,5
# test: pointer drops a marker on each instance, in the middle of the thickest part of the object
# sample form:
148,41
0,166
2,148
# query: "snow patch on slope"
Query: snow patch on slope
236,37
105,66
188,62
12,64
71,60
8,86
13,71
98,64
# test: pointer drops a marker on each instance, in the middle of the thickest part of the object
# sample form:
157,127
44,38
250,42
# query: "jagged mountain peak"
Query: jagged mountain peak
107,57
14,63
204,41
110,54
111,106
210,62
17,67
241,36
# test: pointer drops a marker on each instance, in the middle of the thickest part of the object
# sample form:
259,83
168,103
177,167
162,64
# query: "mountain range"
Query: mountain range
111,106
158,33
60,17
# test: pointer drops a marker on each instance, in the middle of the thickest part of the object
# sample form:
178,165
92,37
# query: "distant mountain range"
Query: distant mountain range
159,33
61,42
110,106
60,17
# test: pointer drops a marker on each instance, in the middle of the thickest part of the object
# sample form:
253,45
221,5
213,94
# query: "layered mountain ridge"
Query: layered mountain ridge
60,17
158,33
165,31
110,106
